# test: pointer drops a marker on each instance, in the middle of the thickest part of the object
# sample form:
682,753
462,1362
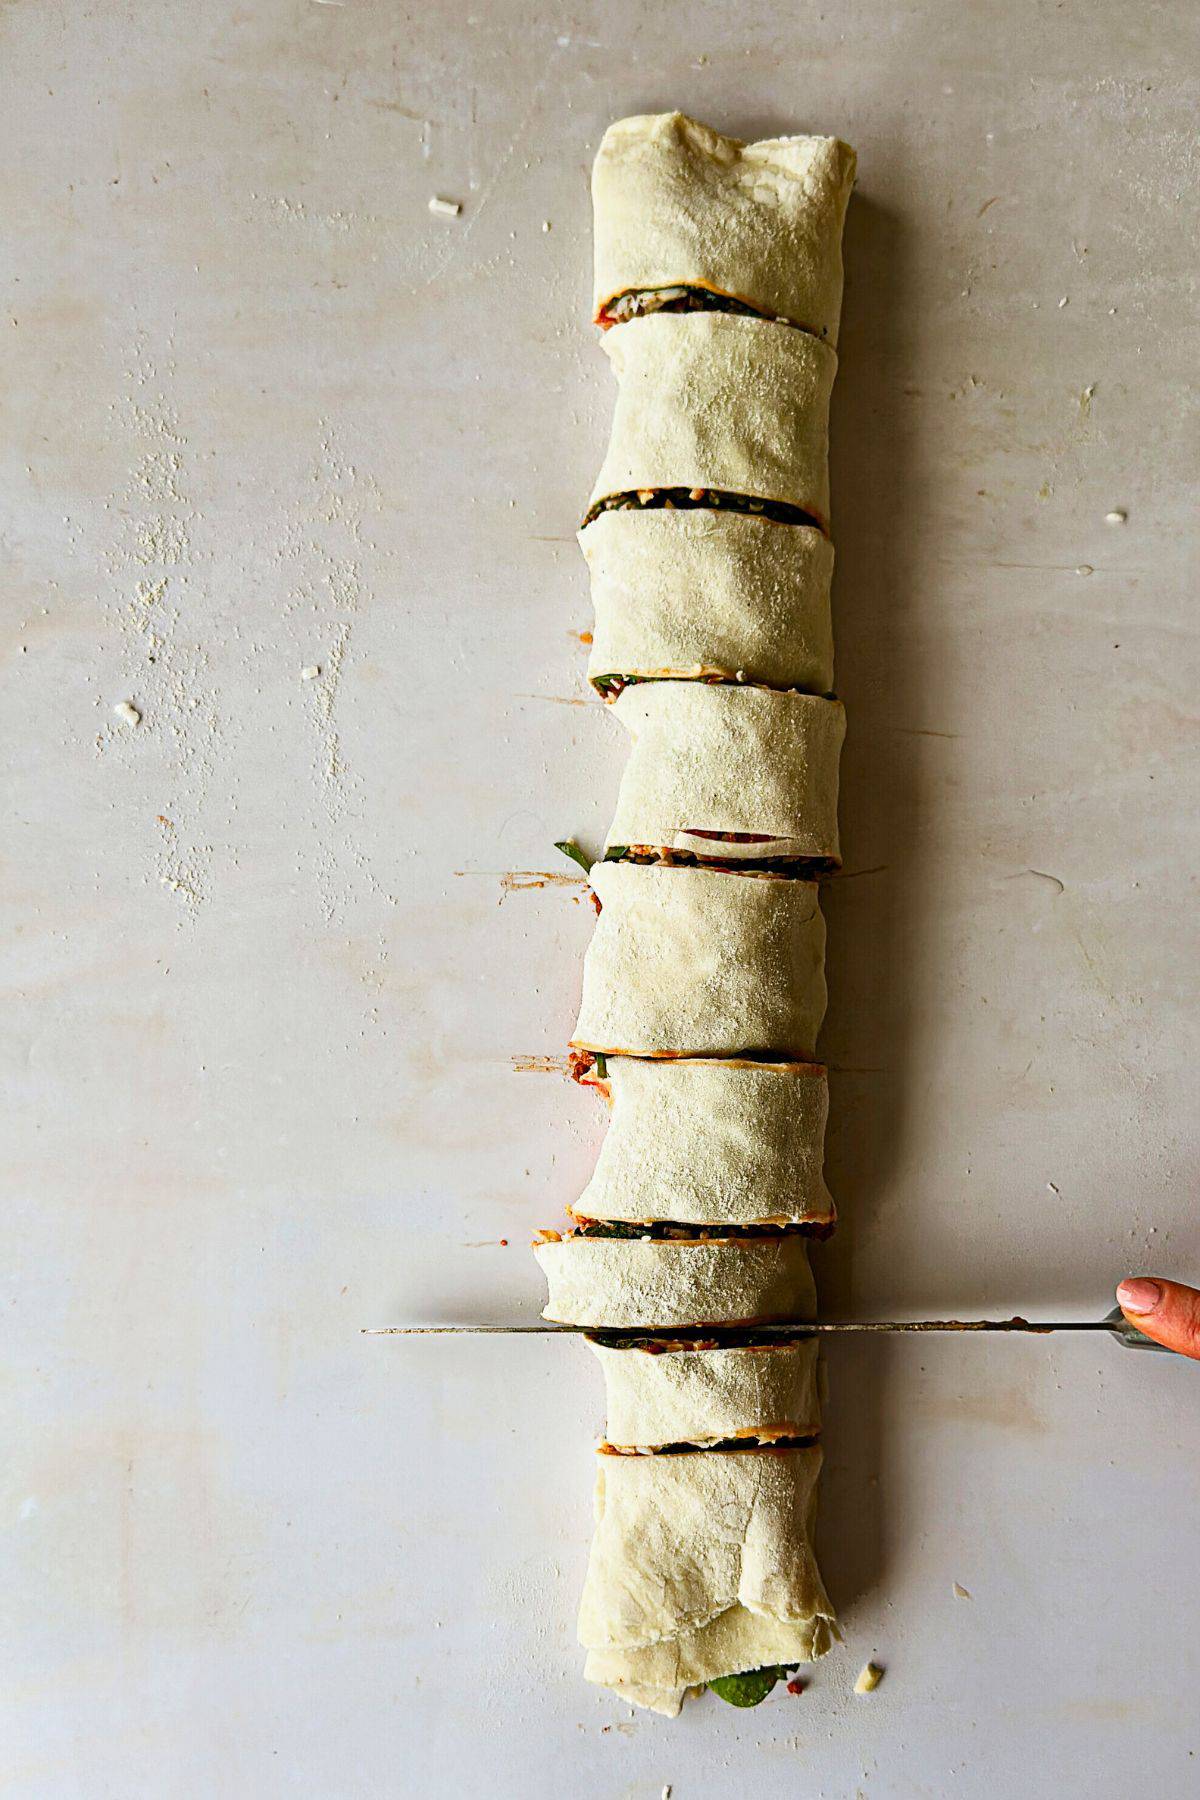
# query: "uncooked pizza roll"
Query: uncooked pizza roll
702,1566
697,592
707,1142
710,406
684,214
662,1392
623,1283
702,962
729,773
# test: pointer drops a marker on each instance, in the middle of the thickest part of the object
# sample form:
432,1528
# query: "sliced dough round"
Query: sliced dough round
702,1565
688,1396
707,400
677,204
710,593
702,962
634,1283
710,1142
709,757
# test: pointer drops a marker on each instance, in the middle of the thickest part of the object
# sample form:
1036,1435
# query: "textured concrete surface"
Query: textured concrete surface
266,981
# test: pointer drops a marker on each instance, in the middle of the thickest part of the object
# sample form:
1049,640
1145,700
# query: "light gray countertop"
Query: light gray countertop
265,412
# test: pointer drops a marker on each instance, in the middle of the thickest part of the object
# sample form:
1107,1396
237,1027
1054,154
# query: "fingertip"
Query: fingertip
1139,1295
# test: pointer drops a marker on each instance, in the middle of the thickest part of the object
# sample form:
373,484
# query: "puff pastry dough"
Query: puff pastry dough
686,1396
630,1283
708,1142
701,1565
677,204
710,593
702,962
707,400
711,757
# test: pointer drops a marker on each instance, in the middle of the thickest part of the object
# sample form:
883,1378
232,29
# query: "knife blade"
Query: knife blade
1115,1324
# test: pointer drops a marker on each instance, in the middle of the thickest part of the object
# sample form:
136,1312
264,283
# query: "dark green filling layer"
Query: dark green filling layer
635,303
698,1337
802,868
709,499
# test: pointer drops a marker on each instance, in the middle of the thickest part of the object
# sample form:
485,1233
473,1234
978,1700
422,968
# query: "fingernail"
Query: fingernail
1139,1295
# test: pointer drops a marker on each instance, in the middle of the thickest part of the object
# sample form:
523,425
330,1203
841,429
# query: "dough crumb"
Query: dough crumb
545,224
449,209
960,1592
869,1678
1117,516
311,672
1085,569
125,709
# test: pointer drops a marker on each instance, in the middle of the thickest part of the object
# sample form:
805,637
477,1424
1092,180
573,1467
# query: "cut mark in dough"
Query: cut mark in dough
782,512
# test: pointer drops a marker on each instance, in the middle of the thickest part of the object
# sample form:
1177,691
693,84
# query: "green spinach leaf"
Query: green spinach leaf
748,1689
570,848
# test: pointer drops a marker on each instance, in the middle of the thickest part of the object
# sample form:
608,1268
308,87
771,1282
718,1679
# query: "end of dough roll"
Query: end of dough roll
681,1394
635,1283
708,1142
678,204
701,1566
714,762
702,962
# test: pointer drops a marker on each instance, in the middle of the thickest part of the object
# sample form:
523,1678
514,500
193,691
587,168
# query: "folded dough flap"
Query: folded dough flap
702,1565
702,962
669,1393
710,1142
659,1676
678,204
699,592
728,772
648,1283
709,401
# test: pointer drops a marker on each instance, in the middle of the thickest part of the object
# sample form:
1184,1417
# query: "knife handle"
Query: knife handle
1129,1336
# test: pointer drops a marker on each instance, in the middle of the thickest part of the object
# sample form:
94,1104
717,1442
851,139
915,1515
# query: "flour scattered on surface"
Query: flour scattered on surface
161,629
327,540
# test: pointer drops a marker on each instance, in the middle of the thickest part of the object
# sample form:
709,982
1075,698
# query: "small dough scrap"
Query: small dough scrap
636,1283
702,962
678,204
708,400
710,1142
701,1566
710,757
697,593
690,1396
